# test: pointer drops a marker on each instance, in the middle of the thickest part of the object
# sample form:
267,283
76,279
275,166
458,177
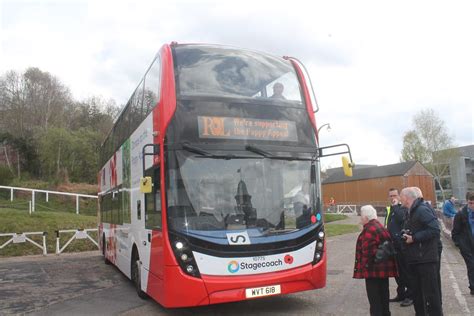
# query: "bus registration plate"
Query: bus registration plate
262,291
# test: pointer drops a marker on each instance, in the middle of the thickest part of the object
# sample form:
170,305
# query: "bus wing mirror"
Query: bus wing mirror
145,185
347,166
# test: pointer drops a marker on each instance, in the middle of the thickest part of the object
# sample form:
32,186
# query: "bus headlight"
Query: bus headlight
184,256
318,253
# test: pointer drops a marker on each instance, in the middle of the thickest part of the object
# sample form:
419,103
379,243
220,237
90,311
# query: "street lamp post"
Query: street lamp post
328,127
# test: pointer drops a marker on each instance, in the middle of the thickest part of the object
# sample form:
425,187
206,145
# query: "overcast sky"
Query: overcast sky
374,64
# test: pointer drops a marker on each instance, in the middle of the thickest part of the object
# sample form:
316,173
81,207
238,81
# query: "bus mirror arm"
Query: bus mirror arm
348,164
156,151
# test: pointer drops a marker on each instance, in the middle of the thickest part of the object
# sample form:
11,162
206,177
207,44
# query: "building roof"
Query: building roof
466,151
336,175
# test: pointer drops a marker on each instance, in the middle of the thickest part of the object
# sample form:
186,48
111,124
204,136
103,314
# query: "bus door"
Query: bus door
153,224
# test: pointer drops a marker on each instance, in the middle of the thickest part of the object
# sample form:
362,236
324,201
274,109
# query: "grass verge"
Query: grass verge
19,221
333,217
341,229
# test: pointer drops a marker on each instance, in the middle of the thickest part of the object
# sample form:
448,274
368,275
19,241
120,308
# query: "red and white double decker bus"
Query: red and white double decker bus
210,188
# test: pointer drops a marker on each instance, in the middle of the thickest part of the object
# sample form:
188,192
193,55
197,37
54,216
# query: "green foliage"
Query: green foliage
413,149
69,155
57,138
6,175
31,184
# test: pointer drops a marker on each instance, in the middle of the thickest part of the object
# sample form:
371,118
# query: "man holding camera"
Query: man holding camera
420,247
394,222
463,236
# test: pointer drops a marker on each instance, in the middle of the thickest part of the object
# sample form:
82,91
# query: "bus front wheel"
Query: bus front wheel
136,275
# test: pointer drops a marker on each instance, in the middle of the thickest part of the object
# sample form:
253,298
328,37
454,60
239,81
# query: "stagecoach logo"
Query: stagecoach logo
233,266
246,128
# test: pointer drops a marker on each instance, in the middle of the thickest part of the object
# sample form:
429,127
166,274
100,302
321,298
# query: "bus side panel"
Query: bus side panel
183,290
155,277
318,276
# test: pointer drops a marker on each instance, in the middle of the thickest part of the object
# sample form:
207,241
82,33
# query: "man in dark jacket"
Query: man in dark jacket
463,236
420,249
394,222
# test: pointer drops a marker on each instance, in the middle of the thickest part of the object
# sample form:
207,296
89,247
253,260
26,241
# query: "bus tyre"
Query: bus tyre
104,250
136,275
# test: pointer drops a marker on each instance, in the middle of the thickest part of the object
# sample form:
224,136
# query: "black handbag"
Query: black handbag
384,252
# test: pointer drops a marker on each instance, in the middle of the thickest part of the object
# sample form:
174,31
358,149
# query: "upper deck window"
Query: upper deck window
203,70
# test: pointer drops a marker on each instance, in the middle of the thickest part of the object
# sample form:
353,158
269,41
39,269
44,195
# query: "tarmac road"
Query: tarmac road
81,284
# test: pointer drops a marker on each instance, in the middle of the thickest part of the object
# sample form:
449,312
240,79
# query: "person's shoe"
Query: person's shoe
396,299
406,302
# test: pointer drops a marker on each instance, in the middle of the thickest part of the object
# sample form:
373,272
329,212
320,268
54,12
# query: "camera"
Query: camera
404,232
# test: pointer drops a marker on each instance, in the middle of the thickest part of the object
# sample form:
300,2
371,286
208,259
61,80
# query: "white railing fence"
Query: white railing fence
78,234
17,238
32,205
346,209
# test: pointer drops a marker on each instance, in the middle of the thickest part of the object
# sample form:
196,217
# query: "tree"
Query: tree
32,101
53,136
428,142
96,114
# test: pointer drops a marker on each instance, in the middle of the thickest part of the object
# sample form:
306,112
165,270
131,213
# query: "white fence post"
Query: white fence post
33,201
11,194
57,242
45,251
47,196
29,209
77,204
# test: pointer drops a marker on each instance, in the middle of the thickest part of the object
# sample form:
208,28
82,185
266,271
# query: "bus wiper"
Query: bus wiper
275,231
196,150
258,151
204,153
266,154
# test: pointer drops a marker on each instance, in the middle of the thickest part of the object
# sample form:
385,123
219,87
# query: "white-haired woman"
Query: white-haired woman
376,274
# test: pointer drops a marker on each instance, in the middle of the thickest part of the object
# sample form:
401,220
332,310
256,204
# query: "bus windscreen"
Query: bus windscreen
217,71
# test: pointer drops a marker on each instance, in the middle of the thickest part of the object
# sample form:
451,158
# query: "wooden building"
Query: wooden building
370,184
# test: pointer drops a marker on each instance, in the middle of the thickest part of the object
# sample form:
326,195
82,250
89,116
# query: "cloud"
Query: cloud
373,64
